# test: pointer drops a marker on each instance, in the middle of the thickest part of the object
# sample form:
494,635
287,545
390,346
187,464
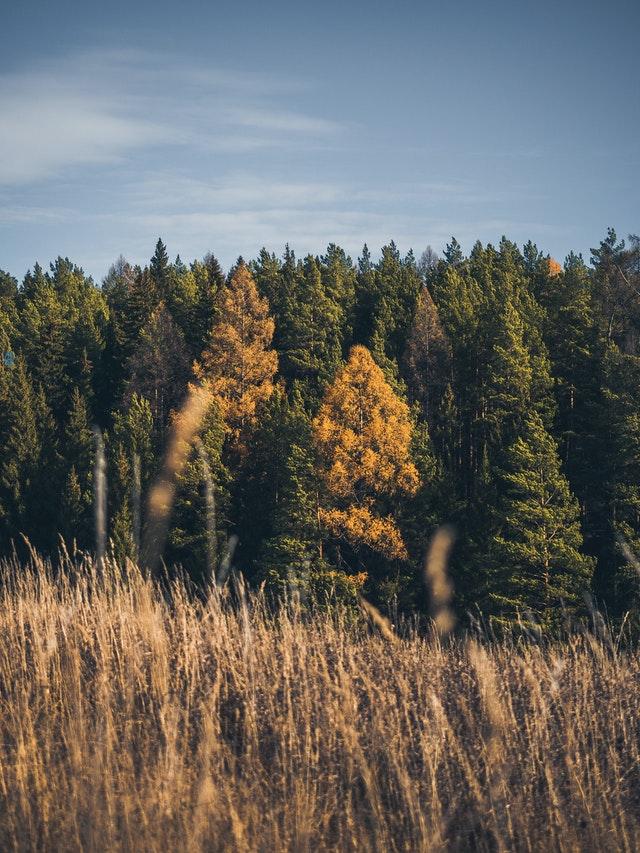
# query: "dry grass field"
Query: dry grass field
135,719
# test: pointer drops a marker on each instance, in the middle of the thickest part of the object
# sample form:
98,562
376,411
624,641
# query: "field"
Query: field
134,718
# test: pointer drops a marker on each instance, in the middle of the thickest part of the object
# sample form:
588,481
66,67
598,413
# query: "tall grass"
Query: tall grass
135,718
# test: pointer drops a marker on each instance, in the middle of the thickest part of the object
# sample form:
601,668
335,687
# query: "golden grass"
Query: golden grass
132,719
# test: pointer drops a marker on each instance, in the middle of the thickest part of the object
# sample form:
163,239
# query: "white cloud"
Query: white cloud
31,214
101,107
287,122
41,132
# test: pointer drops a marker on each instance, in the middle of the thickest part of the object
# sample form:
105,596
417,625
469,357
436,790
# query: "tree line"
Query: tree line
355,408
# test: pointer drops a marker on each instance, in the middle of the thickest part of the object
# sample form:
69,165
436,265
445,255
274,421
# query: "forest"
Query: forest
352,409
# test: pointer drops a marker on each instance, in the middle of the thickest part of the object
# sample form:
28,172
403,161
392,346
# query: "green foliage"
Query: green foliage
519,381
536,562
199,524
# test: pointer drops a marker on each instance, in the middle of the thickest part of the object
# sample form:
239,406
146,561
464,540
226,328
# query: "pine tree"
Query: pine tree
453,253
290,558
397,289
238,364
510,377
209,280
159,368
159,269
263,509
21,442
41,337
199,522
536,562
311,330
78,460
132,465
427,357
8,311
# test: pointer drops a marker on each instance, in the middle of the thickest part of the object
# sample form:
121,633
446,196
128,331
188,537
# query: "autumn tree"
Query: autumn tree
238,363
362,435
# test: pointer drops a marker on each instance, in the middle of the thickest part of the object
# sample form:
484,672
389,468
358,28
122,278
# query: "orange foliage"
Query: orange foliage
554,268
238,365
357,525
362,434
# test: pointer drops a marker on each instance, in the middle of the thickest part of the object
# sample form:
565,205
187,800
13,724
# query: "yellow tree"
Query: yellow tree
238,364
362,435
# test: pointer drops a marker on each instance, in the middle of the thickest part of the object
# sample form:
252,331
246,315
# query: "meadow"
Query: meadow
135,716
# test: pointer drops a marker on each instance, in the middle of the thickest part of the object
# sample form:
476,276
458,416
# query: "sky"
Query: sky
228,126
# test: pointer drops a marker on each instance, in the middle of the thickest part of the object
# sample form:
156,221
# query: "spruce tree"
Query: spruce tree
132,465
536,565
21,442
159,269
311,330
78,453
159,368
426,362
199,522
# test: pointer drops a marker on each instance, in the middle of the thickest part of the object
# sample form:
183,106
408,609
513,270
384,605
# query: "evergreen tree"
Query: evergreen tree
427,357
8,311
21,442
312,330
536,562
199,522
159,368
209,280
510,377
132,465
159,269
78,454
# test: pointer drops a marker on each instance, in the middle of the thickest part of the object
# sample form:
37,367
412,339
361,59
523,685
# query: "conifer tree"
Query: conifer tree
132,465
42,335
427,357
159,269
209,280
339,280
77,448
617,290
238,363
510,377
8,311
291,556
21,442
397,288
271,503
453,254
312,329
159,368
199,522
536,561
362,435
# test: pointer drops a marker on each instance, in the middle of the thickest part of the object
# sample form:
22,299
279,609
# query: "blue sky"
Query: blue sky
229,126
